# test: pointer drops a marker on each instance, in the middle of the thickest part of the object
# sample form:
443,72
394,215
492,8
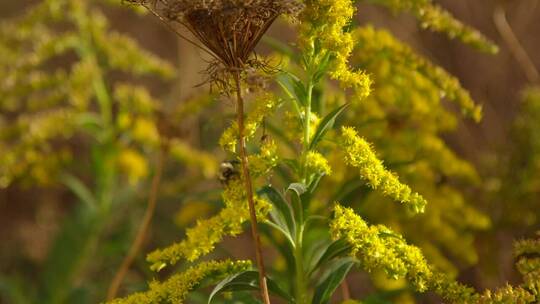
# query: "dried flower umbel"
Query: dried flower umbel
229,30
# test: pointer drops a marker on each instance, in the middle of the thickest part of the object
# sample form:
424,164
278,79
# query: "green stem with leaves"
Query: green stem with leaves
300,280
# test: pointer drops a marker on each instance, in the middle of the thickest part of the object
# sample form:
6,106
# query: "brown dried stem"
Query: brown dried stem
143,228
249,191
345,290
512,41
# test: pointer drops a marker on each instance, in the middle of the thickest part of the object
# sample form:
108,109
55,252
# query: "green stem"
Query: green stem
300,281
106,172
299,262
307,130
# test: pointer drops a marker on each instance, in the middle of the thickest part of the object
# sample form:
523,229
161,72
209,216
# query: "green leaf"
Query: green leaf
279,46
313,185
326,124
298,189
338,272
284,249
322,68
280,229
247,280
292,164
79,189
335,249
281,214
90,122
294,89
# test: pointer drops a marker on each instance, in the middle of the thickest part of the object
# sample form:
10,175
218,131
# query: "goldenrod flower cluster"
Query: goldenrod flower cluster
191,211
404,118
435,18
324,35
200,160
202,238
294,128
400,57
135,113
317,163
262,162
177,287
444,159
133,165
378,247
31,155
133,59
40,105
359,154
264,105
528,263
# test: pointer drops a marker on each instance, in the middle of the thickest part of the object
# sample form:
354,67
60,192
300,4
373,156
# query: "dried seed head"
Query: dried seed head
230,29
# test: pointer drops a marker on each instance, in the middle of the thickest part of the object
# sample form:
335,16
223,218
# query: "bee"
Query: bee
228,170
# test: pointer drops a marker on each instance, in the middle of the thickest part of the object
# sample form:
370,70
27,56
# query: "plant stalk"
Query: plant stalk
514,45
249,191
143,229
307,130
299,262
298,251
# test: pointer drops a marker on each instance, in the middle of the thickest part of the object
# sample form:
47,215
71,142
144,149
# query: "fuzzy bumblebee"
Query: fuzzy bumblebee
228,171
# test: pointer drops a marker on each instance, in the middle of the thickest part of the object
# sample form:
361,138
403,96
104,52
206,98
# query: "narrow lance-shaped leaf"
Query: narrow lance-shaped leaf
326,124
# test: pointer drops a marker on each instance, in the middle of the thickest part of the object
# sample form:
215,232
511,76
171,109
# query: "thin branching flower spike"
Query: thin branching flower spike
177,287
358,153
325,37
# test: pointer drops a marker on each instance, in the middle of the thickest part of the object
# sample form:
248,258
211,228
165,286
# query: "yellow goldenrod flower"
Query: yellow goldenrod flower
264,105
528,263
358,153
433,17
191,156
145,131
265,160
323,34
202,238
294,128
420,70
316,163
133,164
177,287
191,211
378,247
